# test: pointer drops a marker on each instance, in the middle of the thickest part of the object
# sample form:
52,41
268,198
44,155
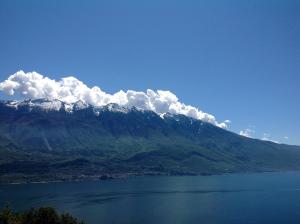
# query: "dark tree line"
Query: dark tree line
43,215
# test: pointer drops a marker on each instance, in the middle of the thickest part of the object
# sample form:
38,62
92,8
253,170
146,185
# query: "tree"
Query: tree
43,215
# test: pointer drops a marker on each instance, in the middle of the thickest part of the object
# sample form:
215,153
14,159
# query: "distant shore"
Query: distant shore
35,179
40,179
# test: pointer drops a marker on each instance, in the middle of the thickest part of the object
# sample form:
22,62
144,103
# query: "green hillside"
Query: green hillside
40,145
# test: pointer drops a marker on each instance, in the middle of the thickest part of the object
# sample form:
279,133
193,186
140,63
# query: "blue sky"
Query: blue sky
238,60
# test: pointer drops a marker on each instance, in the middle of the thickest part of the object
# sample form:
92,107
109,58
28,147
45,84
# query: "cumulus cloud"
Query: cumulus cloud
247,132
267,137
69,89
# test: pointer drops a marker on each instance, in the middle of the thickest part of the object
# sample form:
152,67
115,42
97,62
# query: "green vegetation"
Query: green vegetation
43,215
55,145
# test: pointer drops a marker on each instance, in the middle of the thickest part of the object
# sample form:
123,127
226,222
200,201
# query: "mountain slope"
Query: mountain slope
48,139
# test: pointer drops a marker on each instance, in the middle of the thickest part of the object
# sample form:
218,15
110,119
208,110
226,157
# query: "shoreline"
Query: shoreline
107,177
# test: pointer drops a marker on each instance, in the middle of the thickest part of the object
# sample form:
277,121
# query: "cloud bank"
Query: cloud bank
247,132
267,137
69,90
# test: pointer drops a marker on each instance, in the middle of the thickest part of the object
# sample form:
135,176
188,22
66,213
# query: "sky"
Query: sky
237,60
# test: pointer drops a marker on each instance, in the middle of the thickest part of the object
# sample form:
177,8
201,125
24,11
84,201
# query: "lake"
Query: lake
235,198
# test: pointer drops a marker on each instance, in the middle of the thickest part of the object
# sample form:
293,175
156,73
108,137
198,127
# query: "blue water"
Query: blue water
238,198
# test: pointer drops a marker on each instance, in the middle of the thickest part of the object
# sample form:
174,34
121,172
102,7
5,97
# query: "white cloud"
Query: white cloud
69,89
286,137
267,137
248,132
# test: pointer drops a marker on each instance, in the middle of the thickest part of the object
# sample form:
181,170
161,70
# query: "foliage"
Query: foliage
43,215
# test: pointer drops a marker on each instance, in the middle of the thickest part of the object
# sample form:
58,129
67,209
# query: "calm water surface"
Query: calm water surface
239,198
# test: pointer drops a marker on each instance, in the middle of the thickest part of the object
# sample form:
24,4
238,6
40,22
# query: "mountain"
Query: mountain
50,140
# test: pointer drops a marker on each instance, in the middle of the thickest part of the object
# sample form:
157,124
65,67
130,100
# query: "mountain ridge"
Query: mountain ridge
62,143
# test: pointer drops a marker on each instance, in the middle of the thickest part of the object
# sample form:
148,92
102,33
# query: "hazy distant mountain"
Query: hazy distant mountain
48,139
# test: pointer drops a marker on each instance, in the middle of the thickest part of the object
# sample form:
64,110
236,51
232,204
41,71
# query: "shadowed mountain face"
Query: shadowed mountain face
50,139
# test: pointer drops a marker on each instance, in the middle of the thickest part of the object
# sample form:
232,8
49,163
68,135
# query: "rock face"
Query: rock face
45,137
